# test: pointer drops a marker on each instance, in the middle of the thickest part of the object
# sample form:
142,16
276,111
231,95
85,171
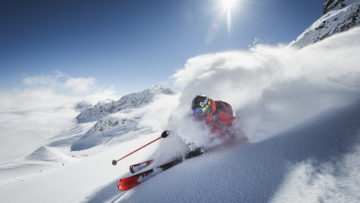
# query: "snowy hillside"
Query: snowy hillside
339,16
315,162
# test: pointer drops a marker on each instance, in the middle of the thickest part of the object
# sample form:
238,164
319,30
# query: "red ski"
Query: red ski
132,181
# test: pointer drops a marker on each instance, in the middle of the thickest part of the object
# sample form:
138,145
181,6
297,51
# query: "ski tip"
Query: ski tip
127,183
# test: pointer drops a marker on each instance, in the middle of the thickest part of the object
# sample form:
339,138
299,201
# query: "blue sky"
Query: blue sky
134,44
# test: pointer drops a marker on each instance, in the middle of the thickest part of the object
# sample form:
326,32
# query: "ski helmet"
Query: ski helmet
201,105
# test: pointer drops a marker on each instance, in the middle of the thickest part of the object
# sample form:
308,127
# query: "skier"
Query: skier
218,115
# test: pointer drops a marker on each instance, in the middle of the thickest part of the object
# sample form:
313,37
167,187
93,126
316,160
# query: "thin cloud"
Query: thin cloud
42,109
80,84
62,82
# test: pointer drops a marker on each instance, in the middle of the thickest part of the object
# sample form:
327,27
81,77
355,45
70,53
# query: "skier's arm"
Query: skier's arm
226,119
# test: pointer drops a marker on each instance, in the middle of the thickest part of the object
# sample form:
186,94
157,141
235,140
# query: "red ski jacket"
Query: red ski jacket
220,118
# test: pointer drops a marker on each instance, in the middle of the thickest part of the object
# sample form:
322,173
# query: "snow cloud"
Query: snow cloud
80,84
45,106
40,80
274,88
63,82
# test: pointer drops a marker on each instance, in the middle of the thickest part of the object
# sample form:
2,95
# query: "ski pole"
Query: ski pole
163,135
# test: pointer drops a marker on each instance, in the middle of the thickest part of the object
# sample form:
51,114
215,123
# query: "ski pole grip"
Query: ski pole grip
114,162
165,133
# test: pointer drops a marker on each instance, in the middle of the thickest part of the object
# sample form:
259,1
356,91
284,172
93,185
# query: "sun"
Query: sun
228,4
228,7
224,12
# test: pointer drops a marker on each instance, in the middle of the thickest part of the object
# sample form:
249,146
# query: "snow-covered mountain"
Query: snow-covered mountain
105,129
107,107
115,118
338,16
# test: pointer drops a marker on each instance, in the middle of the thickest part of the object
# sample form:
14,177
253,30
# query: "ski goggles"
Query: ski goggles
201,111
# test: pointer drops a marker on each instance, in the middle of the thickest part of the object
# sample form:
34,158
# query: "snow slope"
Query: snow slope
315,162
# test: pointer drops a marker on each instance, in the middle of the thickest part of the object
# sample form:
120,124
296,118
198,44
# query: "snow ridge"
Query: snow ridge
134,100
338,16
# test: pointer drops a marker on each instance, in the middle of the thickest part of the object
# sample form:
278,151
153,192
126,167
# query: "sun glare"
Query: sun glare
223,11
228,7
228,4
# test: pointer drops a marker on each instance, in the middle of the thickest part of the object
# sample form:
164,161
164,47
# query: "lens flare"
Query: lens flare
224,12
228,6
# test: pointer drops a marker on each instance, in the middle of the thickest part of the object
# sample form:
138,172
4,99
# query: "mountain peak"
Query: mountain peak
339,16
159,89
129,101
331,5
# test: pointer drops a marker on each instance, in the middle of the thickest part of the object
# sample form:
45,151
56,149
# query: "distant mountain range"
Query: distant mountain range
104,108
108,124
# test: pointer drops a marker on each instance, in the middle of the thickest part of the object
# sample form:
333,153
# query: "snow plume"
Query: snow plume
41,109
273,88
